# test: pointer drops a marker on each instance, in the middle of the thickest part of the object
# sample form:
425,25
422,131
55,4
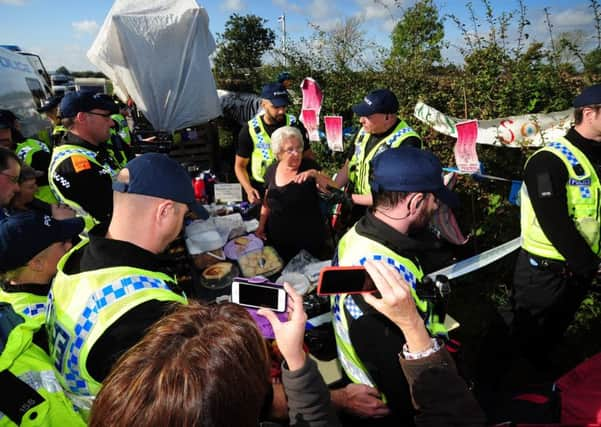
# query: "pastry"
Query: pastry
217,271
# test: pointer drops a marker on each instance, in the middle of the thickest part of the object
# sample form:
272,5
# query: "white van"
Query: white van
23,87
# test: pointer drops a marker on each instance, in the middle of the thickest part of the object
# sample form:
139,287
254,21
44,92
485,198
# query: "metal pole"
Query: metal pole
283,20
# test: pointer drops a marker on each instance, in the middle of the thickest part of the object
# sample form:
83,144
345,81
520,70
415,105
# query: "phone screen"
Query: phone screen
345,280
254,295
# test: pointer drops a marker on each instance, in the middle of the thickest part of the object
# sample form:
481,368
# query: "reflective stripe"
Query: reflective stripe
583,194
262,156
98,302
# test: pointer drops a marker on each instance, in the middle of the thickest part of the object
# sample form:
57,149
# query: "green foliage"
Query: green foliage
418,36
592,62
241,47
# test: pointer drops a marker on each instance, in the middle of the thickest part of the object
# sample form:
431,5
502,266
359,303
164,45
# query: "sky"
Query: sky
61,31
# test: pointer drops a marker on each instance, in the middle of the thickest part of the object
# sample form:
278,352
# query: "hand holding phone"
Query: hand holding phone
397,304
259,293
290,335
345,280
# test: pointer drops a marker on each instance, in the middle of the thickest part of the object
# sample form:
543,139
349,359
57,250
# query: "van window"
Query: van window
36,90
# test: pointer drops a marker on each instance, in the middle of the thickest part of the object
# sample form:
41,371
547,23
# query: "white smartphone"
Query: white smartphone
257,294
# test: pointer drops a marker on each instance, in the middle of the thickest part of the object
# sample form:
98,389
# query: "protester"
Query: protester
407,189
560,223
291,217
27,189
81,168
10,169
164,379
440,395
254,154
31,151
381,129
110,289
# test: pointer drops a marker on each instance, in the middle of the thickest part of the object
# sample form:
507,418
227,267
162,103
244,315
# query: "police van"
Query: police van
24,84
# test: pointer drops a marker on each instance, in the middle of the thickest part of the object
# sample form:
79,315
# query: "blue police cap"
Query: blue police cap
410,170
590,96
157,175
275,93
25,234
377,101
77,102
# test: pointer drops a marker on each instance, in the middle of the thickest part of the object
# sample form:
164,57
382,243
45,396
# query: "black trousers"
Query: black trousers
545,299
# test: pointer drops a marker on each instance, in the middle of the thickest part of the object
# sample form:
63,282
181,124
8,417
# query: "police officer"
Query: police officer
381,129
254,155
50,109
30,246
81,170
560,220
109,290
407,188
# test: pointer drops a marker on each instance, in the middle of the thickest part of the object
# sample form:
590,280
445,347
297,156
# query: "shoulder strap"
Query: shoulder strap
20,399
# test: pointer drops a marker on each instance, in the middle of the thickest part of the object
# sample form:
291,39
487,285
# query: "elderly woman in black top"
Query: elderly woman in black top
291,218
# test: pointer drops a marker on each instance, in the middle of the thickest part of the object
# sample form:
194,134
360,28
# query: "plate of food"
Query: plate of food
219,275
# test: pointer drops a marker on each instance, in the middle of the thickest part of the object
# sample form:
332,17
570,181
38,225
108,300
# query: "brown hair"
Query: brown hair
202,365
387,199
579,112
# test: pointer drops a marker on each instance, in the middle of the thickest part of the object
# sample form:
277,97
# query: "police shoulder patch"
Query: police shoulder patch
80,163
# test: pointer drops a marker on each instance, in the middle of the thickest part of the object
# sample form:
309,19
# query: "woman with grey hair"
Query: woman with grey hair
291,218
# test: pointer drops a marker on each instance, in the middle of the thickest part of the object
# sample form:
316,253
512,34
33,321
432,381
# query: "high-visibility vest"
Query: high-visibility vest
28,305
28,363
25,151
359,165
58,132
354,249
82,306
62,153
123,128
583,192
262,157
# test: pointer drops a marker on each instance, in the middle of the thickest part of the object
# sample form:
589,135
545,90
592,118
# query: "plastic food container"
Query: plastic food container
264,262
211,278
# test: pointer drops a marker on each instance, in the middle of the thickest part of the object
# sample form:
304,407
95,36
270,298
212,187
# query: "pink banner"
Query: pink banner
309,119
466,157
312,95
333,126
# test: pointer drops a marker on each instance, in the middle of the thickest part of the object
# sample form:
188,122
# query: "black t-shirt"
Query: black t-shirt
545,177
85,182
295,220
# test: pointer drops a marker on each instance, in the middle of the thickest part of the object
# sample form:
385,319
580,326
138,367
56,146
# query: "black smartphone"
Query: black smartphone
345,280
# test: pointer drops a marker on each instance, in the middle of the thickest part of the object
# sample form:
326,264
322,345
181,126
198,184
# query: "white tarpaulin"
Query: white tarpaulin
532,130
157,51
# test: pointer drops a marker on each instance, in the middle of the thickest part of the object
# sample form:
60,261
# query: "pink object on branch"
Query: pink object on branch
312,95
309,119
466,156
333,126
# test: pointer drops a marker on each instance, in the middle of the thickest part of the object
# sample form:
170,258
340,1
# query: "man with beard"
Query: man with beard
407,188
254,155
